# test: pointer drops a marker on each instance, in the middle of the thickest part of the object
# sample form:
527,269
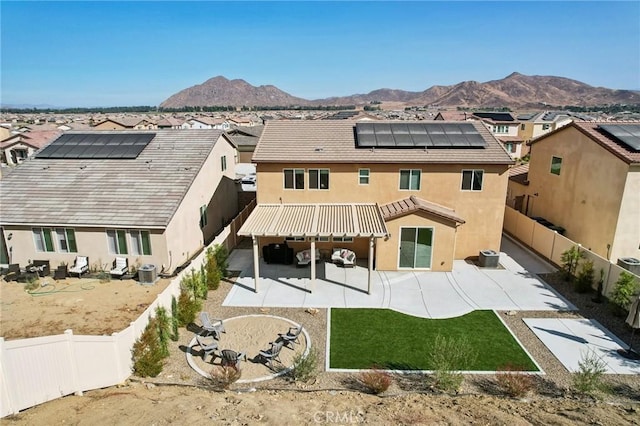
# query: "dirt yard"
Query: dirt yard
84,305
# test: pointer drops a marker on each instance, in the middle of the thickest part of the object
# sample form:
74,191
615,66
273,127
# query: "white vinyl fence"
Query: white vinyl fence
551,245
37,370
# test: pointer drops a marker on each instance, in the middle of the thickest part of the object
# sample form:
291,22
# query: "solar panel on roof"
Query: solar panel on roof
418,135
97,145
627,134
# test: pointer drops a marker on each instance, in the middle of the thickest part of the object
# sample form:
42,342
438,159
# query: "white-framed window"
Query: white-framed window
556,165
117,241
223,163
509,147
318,178
342,239
140,243
363,176
501,128
203,216
546,126
294,239
66,238
42,239
472,180
293,178
410,179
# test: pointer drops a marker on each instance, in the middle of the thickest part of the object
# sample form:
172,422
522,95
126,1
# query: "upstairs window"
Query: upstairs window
318,178
42,239
363,176
410,179
501,128
472,180
556,165
223,163
294,178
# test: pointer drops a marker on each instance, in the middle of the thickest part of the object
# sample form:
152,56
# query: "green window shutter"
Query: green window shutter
122,242
48,241
146,243
71,241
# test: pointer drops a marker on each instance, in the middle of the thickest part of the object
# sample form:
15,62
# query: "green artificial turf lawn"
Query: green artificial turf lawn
362,338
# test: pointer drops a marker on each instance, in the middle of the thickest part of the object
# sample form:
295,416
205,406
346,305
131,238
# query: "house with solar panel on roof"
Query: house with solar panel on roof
400,195
505,128
585,178
155,197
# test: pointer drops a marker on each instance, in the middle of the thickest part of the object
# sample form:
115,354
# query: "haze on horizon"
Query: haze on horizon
84,54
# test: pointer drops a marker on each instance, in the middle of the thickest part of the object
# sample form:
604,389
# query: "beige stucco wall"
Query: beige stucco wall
586,197
626,242
483,211
184,235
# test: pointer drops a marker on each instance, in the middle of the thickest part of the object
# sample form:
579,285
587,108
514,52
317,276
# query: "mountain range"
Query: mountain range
515,90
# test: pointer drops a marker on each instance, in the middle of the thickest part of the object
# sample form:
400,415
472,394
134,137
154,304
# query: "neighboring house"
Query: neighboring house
534,125
5,131
206,123
17,148
505,128
246,139
125,123
170,123
418,194
241,121
153,197
585,177
451,116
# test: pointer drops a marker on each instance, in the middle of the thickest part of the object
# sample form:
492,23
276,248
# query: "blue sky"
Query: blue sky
140,53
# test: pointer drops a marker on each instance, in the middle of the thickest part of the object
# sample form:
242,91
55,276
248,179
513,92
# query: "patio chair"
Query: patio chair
273,353
303,257
13,273
231,358
206,348
40,266
292,335
344,257
209,326
120,267
60,273
80,266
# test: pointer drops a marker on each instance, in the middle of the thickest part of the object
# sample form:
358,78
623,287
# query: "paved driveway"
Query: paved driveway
423,294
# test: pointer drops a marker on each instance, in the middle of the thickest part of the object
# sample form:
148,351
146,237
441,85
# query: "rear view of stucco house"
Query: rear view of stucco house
17,148
155,197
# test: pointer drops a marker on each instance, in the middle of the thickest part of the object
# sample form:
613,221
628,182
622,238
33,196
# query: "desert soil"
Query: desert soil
179,395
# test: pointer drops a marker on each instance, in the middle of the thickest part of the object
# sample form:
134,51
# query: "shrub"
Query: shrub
174,320
304,368
513,382
195,284
584,281
222,259
622,294
375,381
212,270
104,276
32,283
164,330
188,308
448,355
570,259
224,376
147,353
588,378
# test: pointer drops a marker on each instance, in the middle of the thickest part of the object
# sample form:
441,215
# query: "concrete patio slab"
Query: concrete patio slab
571,339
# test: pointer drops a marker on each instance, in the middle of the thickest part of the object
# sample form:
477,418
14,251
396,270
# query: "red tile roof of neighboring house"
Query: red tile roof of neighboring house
36,139
520,174
413,203
603,139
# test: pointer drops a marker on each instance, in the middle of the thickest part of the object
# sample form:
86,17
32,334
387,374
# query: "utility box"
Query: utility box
631,264
147,274
489,258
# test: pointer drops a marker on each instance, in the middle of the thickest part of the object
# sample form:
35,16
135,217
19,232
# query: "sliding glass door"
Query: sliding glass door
416,246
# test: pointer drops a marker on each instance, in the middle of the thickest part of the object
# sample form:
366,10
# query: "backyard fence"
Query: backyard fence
551,245
40,369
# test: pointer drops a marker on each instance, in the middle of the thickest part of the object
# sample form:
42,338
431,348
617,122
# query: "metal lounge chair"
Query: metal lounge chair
273,353
209,326
292,335
120,267
231,358
80,266
206,348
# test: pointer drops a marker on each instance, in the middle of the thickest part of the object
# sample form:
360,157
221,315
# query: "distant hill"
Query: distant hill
515,90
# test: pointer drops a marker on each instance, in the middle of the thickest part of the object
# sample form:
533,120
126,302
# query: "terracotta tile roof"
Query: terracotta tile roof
36,139
520,174
319,220
510,138
412,204
333,141
610,143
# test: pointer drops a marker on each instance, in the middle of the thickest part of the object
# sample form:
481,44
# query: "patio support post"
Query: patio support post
371,241
313,264
256,263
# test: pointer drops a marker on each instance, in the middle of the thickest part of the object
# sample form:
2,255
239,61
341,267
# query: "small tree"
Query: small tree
188,308
147,352
584,281
222,259
163,322
588,378
174,319
623,293
212,270
570,259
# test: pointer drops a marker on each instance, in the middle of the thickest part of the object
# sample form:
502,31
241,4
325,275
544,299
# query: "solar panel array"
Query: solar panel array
628,134
495,116
418,135
97,146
